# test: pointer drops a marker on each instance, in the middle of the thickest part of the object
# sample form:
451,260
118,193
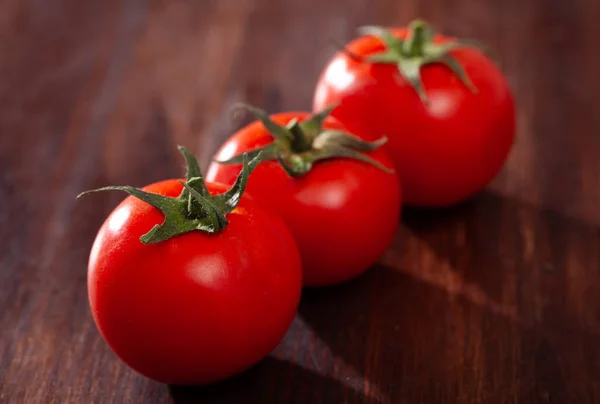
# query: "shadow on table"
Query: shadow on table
474,242
404,339
270,381
486,240
470,300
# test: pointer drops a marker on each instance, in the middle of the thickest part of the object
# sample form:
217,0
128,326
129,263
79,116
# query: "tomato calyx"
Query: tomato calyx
297,146
195,208
417,50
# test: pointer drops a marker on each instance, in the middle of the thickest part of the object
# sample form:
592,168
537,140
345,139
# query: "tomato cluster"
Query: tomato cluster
193,280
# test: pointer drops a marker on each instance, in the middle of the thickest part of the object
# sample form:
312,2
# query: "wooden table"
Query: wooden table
494,301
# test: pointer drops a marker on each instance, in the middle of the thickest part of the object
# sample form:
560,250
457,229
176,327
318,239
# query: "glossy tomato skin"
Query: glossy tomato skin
343,213
196,308
444,152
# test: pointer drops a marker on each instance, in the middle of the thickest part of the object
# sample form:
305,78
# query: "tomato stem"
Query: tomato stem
298,145
419,34
418,49
194,208
302,142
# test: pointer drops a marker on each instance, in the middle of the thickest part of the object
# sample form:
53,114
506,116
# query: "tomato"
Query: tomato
342,209
446,108
199,306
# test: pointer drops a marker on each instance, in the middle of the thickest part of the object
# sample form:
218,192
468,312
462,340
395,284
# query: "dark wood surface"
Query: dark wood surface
494,301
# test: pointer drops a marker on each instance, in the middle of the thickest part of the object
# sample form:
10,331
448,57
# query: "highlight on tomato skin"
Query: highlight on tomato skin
338,195
444,104
202,298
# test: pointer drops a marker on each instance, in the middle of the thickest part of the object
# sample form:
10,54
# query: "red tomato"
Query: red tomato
445,150
343,213
197,307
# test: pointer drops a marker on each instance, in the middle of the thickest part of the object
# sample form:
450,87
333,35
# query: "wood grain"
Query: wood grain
492,301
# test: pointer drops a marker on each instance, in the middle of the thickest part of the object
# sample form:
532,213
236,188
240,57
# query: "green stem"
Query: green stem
419,34
194,208
311,142
302,140
418,49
